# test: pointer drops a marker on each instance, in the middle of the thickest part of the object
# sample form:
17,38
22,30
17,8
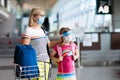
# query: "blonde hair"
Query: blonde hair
34,12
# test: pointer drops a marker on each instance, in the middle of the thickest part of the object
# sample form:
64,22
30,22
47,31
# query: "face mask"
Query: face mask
41,20
68,39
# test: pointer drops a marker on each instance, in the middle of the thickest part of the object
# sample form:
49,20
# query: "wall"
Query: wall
105,54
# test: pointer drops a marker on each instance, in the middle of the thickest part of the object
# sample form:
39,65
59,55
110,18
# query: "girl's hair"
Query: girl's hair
34,12
63,30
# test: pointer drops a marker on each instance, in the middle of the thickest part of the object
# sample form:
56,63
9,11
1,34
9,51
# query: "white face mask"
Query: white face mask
67,39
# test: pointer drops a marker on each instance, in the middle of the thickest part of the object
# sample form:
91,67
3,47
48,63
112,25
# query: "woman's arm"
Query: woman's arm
26,36
51,44
25,40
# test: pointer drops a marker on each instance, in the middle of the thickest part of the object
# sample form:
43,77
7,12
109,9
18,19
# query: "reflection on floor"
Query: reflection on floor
83,73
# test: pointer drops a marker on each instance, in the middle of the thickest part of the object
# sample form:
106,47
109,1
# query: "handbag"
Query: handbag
25,57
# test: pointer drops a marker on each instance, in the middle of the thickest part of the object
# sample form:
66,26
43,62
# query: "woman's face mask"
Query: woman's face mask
41,20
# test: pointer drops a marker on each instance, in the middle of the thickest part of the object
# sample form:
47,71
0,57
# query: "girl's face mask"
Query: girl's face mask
41,20
67,38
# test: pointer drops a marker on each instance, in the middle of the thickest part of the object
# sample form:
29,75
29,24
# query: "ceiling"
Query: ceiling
44,4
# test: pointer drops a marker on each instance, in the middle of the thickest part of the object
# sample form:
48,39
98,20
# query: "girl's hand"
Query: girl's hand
60,58
74,57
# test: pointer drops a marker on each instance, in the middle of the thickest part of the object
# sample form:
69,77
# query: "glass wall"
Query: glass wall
80,15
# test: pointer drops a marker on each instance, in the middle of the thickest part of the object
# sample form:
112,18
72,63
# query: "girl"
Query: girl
68,53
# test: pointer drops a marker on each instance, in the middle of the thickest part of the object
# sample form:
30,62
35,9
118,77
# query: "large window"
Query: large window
78,14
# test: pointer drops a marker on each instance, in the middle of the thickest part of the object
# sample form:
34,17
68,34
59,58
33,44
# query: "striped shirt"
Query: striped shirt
39,43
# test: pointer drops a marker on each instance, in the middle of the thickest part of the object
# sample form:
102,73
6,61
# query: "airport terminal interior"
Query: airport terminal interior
95,25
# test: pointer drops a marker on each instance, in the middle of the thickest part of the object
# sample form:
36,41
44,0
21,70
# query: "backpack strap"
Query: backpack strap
59,50
60,53
44,30
47,44
48,51
72,47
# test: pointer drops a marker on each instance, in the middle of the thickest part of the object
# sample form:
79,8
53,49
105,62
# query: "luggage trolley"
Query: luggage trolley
29,72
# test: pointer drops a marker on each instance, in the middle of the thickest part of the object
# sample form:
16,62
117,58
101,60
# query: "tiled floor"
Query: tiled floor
85,73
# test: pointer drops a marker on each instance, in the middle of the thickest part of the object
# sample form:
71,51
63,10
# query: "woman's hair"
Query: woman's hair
63,30
34,12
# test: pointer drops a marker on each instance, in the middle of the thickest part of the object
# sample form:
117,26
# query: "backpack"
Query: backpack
25,58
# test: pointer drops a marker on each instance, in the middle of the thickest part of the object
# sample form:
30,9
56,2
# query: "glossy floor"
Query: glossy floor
83,73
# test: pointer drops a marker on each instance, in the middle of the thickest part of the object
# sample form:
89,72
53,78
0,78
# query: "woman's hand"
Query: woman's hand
25,41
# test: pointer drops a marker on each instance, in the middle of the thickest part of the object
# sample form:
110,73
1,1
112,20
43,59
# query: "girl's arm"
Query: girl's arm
76,54
52,56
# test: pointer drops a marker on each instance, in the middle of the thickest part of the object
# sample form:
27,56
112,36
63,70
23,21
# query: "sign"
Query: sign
103,7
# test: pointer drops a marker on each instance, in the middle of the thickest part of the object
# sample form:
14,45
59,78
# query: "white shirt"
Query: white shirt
34,32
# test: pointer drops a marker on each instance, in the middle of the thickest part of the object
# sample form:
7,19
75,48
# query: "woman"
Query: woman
35,36
68,53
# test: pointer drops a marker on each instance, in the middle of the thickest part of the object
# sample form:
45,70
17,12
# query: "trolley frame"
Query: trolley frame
19,70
